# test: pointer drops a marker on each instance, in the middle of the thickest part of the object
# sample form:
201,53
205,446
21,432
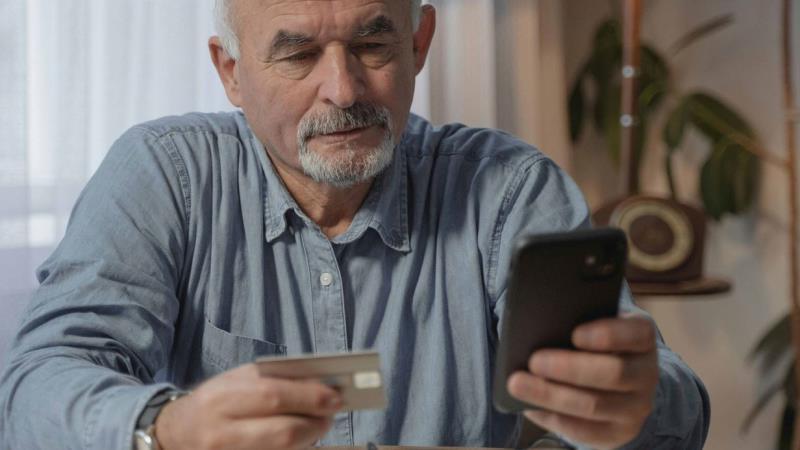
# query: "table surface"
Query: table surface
392,447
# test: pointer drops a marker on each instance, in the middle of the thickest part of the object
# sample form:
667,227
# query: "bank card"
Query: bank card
357,376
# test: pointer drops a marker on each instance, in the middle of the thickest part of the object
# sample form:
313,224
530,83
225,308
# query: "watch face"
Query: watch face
143,441
660,235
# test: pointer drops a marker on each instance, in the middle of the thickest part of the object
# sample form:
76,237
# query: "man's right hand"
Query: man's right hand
243,410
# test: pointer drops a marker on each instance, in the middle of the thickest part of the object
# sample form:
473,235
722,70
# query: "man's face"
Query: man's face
326,85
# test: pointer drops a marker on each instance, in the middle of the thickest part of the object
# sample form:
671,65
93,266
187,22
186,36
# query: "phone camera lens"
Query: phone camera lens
606,269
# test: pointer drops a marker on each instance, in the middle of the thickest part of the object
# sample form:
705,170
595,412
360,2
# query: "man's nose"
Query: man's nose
342,82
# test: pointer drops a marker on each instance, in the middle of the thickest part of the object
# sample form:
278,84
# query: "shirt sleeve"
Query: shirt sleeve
542,198
100,325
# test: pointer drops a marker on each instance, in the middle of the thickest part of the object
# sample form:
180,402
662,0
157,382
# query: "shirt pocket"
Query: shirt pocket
223,350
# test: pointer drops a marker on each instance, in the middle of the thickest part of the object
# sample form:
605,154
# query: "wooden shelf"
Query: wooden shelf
696,289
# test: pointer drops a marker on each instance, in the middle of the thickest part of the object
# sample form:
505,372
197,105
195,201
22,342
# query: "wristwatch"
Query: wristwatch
144,438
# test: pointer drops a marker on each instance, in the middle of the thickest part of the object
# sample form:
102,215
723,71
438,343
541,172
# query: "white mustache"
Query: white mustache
360,115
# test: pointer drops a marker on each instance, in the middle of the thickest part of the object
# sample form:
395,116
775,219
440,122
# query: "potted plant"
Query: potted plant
728,179
729,176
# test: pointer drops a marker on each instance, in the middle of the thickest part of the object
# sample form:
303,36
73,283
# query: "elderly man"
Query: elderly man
323,218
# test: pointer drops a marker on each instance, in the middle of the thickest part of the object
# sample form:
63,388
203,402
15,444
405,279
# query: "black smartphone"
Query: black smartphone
558,281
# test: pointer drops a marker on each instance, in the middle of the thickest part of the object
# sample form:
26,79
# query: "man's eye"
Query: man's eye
367,46
299,57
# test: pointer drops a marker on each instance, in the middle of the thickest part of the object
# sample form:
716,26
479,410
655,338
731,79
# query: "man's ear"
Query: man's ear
424,36
227,70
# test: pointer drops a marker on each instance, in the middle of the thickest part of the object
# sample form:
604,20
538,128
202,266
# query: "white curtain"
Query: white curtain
14,209
74,74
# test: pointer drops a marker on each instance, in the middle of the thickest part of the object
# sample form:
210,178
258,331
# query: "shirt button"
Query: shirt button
326,279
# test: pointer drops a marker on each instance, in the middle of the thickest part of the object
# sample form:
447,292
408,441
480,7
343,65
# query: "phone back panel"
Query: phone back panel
558,281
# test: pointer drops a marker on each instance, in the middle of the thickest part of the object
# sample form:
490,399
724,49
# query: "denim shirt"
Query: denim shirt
185,256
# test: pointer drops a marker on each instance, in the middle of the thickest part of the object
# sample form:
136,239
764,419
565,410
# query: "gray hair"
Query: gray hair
224,21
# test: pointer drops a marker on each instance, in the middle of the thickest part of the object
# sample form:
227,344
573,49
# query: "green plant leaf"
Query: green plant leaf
701,31
576,105
775,342
670,176
604,67
654,71
712,185
746,179
785,384
676,126
610,125
607,98
651,95
730,176
639,143
786,431
653,83
729,179
740,177
607,50
761,402
714,118
790,385
672,135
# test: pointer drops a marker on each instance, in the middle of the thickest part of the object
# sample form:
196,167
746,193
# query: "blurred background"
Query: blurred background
74,74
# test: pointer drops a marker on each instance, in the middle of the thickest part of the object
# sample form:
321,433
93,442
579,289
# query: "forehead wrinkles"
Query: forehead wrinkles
321,19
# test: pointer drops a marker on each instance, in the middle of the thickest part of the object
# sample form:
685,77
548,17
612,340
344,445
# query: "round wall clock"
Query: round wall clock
660,235
665,245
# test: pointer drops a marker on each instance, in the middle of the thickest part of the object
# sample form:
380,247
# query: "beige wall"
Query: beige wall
499,64
741,64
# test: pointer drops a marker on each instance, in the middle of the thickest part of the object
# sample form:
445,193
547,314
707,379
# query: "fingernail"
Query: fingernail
334,403
540,363
512,384
535,415
582,337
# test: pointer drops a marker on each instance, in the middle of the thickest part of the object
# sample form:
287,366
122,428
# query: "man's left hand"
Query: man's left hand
599,394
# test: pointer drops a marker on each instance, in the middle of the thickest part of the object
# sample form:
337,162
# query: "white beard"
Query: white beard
350,166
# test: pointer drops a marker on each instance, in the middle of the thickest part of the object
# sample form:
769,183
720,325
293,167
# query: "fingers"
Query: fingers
279,432
597,418
600,435
276,396
589,404
630,334
604,371
600,394
245,394
242,410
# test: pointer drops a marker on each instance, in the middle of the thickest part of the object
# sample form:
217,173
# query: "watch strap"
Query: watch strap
155,405
145,433
145,440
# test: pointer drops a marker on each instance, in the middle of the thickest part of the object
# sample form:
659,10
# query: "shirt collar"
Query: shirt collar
385,209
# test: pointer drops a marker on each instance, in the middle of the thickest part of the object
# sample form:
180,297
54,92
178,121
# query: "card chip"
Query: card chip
367,380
